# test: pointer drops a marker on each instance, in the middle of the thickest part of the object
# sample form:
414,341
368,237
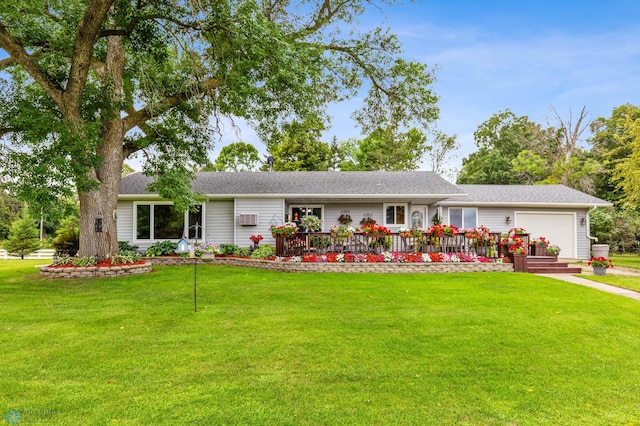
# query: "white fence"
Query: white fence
40,254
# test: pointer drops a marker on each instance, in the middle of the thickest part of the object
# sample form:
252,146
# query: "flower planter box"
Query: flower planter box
520,263
540,250
599,270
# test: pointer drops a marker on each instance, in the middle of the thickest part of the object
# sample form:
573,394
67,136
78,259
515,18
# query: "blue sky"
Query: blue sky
520,55
523,55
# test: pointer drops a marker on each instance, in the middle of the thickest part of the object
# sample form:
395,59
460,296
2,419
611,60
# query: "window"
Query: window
395,214
463,218
161,221
298,212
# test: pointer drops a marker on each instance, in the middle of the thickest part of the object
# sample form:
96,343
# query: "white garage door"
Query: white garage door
558,228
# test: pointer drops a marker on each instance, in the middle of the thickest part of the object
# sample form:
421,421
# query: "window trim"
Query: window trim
152,237
306,206
464,225
406,213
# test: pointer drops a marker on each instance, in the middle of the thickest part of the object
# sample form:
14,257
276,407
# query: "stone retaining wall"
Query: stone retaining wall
95,272
378,267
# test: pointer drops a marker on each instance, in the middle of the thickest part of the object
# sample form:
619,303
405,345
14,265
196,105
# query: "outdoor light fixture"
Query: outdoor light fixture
583,221
508,219
98,223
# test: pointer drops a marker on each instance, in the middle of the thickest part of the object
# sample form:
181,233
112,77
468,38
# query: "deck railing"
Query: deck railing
323,243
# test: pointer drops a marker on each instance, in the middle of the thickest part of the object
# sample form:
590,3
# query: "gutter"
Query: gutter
594,239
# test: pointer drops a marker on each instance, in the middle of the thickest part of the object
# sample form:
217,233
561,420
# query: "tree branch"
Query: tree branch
137,118
86,36
14,47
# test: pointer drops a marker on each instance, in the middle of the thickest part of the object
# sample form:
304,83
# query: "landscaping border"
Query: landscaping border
372,267
95,272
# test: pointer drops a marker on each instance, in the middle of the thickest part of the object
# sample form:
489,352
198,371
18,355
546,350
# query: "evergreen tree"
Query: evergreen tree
23,237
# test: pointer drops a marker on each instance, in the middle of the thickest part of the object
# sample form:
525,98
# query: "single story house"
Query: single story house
241,204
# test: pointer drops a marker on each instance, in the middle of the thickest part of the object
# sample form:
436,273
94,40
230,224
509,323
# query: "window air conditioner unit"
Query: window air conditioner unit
248,219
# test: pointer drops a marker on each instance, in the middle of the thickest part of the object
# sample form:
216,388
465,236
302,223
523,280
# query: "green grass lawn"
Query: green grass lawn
276,348
626,260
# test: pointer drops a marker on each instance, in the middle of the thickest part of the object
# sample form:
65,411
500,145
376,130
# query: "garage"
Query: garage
558,228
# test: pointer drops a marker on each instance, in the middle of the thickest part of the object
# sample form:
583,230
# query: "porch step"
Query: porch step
549,265
553,270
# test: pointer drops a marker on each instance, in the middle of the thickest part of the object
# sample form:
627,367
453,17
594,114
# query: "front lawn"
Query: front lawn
626,260
277,348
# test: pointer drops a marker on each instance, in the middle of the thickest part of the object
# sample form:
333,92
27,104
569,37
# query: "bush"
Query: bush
124,257
263,252
126,247
67,241
243,252
161,248
228,249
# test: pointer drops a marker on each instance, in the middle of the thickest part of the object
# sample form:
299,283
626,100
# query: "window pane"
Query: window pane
317,211
143,222
399,214
469,218
417,219
390,215
168,224
195,218
455,217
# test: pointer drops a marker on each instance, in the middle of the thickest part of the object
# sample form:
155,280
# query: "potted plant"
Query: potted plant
342,232
519,252
320,242
207,250
366,221
345,219
288,230
311,223
256,240
540,246
600,265
553,250
373,230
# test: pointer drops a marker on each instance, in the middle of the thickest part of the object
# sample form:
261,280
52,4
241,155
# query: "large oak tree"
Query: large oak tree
88,83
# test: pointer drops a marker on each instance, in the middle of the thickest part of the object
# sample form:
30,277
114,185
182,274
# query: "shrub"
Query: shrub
243,252
126,247
23,237
124,258
263,252
228,249
67,240
161,248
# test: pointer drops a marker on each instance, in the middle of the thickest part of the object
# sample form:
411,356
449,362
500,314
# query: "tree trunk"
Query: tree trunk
98,230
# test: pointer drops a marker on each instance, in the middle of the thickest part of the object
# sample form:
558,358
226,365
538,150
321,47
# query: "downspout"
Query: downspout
594,239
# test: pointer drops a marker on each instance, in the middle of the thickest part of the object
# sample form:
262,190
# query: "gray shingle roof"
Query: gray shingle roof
413,183
548,195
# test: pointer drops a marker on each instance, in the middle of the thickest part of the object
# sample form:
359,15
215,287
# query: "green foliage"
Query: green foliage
23,237
126,247
124,257
9,211
387,149
615,141
85,89
298,147
264,252
161,248
320,241
67,240
618,227
243,251
84,261
236,157
228,249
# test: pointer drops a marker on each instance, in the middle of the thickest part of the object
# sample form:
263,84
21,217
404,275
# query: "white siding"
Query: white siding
269,211
125,221
219,222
